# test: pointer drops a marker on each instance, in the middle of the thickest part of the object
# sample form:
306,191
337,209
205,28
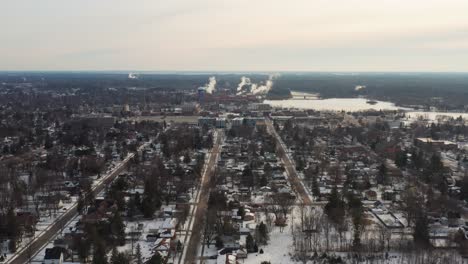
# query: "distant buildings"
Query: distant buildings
96,121
432,144
207,121
220,122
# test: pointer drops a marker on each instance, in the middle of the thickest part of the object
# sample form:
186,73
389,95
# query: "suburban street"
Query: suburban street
24,254
198,212
294,179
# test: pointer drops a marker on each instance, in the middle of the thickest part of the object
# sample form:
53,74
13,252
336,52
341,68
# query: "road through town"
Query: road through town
294,179
25,253
194,234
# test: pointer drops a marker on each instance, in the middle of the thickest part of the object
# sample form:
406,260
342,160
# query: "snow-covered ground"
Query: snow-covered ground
45,222
39,256
277,251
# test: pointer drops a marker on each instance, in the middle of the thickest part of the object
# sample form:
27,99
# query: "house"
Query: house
61,243
54,255
432,144
162,245
230,259
27,221
241,253
103,209
220,122
371,195
151,237
389,195
454,219
249,216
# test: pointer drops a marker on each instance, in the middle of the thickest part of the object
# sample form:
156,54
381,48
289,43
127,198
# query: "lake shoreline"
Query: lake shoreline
306,101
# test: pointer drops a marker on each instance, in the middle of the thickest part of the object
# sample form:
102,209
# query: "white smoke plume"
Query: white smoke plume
359,87
211,86
132,76
256,89
262,89
244,81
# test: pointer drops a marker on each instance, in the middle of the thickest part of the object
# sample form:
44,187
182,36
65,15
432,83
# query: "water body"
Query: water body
334,104
312,101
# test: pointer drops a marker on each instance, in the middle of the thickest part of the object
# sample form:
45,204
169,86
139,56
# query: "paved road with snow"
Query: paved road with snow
189,255
24,254
294,179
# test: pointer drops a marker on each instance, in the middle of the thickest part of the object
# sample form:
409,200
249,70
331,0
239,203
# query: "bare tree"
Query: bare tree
280,205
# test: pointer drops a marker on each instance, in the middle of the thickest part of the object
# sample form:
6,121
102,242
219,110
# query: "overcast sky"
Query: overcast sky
235,35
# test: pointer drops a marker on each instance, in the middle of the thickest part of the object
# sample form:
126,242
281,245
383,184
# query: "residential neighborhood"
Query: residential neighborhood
186,176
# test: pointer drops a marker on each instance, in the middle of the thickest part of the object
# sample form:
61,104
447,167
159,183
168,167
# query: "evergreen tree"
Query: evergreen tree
219,242
241,212
464,188
83,249
263,181
12,245
418,159
138,256
48,142
118,229
13,229
156,259
99,256
247,177
436,164
356,209
401,159
147,206
119,257
262,233
249,243
382,176
187,158
151,197
114,256
421,230
335,208
315,186
131,208
81,204
138,200
299,163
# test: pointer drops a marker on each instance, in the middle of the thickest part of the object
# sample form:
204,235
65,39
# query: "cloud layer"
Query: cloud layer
329,35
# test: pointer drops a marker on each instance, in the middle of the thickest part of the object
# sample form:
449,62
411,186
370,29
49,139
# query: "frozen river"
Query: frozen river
311,101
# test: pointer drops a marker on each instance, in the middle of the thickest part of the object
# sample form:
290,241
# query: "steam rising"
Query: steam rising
256,89
132,76
359,87
244,81
210,87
